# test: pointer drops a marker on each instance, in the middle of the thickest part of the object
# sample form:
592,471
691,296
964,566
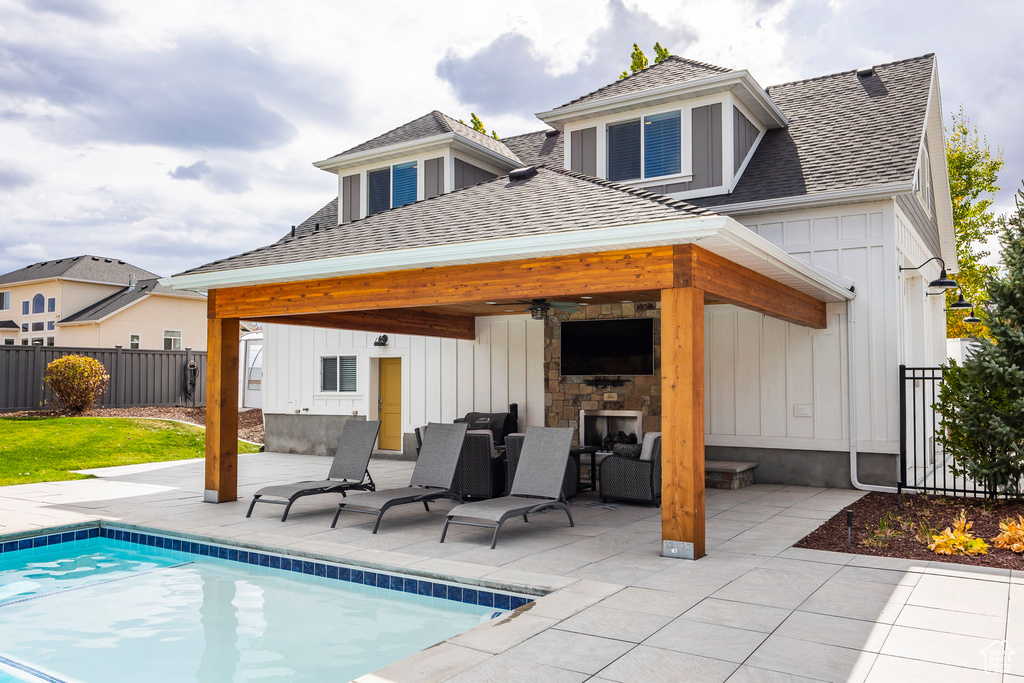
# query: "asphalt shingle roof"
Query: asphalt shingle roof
672,70
8,325
326,217
542,147
552,201
91,268
118,300
845,132
429,125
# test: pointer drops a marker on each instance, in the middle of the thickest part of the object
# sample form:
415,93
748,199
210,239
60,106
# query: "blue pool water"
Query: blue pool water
99,609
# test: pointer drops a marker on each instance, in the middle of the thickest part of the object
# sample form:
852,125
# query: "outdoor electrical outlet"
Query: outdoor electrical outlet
678,549
802,410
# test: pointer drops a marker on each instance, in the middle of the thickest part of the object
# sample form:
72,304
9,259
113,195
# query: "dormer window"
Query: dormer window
656,146
391,187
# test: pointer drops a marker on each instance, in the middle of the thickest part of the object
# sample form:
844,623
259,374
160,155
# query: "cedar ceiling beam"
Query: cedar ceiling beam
546,277
391,321
726,281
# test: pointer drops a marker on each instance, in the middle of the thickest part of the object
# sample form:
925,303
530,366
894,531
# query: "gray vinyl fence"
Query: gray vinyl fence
137,377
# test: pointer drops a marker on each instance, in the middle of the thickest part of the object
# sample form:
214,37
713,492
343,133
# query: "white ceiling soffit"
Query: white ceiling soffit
718,234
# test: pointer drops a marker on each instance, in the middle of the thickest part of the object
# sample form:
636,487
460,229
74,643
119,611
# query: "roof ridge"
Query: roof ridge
823,77
388,132
709,65
545,131
638,192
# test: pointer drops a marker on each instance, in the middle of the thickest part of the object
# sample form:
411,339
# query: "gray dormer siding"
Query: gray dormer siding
350,198
744,133
433,178
584,151
468,174
707,147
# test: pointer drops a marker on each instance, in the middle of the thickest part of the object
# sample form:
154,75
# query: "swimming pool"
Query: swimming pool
108,604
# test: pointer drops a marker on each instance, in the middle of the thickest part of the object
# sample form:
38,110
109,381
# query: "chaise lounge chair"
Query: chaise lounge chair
431,478
537,484
348,471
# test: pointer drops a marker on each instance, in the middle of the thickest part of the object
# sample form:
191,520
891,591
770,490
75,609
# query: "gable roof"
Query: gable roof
552,201
89,268
426,126
124,298
845,132
673,69
543,147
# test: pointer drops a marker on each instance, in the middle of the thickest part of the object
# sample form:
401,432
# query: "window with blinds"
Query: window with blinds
378,190
337,373
624,151
403,181
663,144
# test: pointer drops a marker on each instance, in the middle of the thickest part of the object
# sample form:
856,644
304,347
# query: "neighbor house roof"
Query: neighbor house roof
427,126
89,268
845,132
126,297
672,70
552,201
9,325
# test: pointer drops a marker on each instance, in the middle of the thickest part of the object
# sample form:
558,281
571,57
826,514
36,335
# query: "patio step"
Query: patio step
728,474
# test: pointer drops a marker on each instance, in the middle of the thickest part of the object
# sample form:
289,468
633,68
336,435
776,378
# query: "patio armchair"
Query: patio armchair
537,485
432,478
633,479
514,446
348,470
480,473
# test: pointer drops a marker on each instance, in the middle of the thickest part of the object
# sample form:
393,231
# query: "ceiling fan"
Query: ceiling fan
539,308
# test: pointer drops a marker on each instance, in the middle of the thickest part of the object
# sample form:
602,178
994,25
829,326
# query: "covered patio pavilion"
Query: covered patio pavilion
431,267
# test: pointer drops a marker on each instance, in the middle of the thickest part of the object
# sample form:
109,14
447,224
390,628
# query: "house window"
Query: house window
172,340
37,327
24,342
656,147
38,303
391,187
24,327
50,341
37,341
24,308
50,326
337,373
133,341
5,301
9,341
51,305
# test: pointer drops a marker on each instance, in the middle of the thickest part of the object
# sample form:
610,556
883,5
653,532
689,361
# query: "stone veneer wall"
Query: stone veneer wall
565,396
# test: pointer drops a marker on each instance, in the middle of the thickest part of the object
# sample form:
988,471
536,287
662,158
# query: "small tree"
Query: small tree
76,382
638,60
981,402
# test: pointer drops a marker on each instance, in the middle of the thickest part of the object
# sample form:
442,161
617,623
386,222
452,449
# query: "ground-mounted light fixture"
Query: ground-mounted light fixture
943,282
382,340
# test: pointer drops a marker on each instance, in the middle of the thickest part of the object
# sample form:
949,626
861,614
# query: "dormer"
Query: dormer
424,158
680,127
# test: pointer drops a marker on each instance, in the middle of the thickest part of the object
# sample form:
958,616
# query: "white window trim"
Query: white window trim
5,297
133,334
684,176
180,339
320,391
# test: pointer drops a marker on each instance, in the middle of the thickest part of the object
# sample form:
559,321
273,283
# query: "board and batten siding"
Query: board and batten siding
442,379
772,384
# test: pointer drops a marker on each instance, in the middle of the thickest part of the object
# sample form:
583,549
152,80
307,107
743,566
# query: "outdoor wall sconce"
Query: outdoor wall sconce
943,282
382,340
972,318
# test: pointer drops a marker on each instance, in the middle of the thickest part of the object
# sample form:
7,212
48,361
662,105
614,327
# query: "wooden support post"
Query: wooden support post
682,422
222,410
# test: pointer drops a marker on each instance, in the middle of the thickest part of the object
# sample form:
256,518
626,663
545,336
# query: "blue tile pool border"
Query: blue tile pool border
402,583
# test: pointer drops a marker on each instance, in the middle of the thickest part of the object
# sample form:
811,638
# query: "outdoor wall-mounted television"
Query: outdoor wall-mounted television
608,347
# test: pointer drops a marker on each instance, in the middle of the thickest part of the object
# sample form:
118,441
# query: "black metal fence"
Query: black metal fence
924,464
137,377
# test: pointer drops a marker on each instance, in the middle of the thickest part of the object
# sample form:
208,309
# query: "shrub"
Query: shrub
76,382
959,540
1012,536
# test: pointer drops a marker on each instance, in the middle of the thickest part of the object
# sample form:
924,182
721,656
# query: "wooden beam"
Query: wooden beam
682,422
221,409
392,321
547,277
724,280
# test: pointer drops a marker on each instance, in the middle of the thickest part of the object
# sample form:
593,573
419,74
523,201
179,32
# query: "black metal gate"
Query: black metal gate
924,465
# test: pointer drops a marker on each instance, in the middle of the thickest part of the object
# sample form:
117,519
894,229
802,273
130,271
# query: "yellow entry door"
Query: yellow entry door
389,404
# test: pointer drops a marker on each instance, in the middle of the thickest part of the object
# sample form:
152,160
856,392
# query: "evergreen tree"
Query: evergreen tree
660,53
638,61
981,402
476,124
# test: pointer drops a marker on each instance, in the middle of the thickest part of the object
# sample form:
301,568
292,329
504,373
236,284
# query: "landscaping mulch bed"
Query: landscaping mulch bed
892,532
250,422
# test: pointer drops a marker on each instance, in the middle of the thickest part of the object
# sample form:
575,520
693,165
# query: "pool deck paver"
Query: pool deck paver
754,610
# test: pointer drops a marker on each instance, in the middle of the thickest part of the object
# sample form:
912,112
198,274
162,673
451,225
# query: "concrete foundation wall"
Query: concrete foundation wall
811,468
310,434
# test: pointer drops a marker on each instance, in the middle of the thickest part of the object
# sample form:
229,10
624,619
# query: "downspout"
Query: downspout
852,398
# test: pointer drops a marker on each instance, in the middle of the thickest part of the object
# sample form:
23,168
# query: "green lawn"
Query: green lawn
48,448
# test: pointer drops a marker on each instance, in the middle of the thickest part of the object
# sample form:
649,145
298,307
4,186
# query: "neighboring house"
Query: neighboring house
785,211
98,302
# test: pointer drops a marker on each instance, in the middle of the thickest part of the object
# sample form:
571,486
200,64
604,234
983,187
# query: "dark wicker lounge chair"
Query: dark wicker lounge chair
537,485
348,471
431,478
633,476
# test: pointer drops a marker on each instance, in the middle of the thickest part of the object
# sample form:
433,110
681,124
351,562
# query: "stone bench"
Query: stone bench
728,474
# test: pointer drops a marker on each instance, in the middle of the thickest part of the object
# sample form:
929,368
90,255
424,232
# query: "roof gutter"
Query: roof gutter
662,233
876,192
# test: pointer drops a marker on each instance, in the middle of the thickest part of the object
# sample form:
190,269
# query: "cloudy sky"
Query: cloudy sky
169,134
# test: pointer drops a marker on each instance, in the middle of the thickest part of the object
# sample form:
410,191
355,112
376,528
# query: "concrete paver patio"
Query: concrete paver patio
754,609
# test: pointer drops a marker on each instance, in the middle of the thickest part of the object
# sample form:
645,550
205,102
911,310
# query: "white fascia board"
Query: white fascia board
343,160
862,194
683,231
479,150
943,196
554,117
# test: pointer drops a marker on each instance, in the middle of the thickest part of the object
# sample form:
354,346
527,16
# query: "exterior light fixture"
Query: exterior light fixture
961,303
538,310
972,318
382,340
943,281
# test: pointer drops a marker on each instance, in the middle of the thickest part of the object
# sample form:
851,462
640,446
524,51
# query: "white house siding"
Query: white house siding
442,379
765,375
